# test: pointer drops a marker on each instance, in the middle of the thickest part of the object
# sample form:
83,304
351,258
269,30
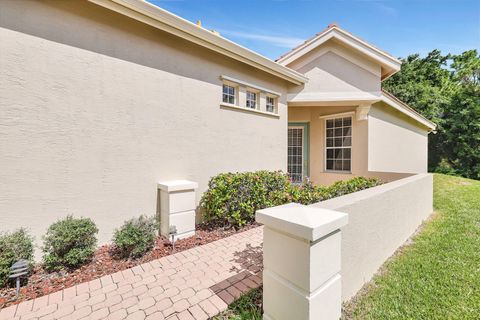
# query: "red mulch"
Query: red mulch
106,262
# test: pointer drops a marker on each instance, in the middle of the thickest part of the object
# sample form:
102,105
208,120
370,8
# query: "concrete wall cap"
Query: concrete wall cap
301,221
177,185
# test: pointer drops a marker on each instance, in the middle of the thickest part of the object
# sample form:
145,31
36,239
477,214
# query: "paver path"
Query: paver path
194,284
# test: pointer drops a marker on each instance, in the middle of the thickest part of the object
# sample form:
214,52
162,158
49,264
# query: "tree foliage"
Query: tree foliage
446,90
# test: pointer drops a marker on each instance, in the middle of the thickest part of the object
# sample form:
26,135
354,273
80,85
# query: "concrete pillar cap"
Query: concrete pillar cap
177,185
302,221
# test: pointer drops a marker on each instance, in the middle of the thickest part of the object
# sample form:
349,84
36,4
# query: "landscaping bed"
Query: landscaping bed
106,261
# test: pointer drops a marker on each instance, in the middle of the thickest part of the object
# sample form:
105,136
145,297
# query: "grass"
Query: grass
437,276
247,307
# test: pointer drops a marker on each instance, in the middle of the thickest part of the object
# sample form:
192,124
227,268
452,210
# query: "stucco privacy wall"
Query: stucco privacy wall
395,144
97,108
380,220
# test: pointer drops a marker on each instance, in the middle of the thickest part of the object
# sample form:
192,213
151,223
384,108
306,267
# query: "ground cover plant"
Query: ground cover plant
233,198
438,276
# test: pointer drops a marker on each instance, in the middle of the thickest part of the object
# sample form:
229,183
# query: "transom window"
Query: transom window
270,104
339,144
251,100
228,94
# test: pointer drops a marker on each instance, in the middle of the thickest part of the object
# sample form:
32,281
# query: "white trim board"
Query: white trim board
161,19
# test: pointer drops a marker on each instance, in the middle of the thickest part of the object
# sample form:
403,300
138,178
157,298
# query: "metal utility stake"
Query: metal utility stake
173,233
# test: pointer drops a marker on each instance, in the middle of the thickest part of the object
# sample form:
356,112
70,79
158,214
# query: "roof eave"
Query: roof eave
166,21
397,104
390,64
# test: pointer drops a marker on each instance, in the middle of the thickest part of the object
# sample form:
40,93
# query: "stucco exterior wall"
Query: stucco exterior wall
318,174
336,71
96,108
380,220
395,144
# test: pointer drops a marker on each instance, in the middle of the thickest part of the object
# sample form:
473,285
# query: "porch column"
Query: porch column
301,257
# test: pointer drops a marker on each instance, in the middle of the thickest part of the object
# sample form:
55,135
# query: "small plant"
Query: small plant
69,243
13,247
136,236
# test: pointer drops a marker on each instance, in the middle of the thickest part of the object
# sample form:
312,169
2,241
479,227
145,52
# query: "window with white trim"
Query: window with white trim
338,144
251,100
270,104
229,94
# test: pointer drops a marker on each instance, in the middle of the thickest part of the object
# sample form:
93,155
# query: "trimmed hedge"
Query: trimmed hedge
233,198
136,236
14,246
69,243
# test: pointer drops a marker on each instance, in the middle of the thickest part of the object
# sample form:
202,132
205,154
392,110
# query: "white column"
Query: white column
177,207
301,257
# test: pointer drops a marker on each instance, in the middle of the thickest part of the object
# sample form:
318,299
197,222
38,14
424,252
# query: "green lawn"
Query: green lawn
436,277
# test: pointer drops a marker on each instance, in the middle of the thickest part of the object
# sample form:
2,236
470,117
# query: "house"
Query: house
102,99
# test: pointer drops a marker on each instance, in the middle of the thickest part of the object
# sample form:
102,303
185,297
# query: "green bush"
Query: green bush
14,246
136,236
233,198
69,243
341,188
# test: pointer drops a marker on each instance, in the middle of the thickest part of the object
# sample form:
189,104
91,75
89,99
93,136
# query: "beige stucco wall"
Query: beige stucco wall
318,174
96,108
395,143
380,220
335,70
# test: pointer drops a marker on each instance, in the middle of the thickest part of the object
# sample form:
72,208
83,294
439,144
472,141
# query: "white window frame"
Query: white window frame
257,100
333,117
235,93
273,105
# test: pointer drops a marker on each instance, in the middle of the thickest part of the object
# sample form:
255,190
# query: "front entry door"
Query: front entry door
298,136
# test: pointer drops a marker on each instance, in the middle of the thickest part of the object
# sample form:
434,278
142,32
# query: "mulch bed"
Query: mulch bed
105,262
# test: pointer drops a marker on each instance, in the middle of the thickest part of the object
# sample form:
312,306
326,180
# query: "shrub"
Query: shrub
341,188
233,198
14,246
69,242
136,236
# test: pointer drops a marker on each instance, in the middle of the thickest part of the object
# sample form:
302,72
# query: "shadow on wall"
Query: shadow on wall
93,28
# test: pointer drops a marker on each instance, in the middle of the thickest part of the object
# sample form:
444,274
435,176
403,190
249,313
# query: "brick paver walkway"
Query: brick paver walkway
193,284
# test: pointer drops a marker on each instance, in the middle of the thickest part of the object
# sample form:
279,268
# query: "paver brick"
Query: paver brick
194,284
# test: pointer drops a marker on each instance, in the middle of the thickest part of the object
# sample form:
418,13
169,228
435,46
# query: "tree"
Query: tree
446,90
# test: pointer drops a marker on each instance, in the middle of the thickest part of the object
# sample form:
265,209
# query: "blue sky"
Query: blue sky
401,27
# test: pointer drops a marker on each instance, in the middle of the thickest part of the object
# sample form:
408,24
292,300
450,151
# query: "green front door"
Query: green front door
298,150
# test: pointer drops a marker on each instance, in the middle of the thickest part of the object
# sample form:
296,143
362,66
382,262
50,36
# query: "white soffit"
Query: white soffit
161,19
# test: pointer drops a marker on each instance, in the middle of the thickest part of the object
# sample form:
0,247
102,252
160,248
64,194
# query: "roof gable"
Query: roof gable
388,63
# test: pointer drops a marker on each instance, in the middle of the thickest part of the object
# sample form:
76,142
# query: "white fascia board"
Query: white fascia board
166,21
384,59
408,112
334,96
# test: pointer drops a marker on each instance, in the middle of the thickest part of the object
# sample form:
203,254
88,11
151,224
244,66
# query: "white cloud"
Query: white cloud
278,41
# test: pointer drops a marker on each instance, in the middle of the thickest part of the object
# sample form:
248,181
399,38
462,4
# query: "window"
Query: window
339,144
270,104
228,94
251,100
